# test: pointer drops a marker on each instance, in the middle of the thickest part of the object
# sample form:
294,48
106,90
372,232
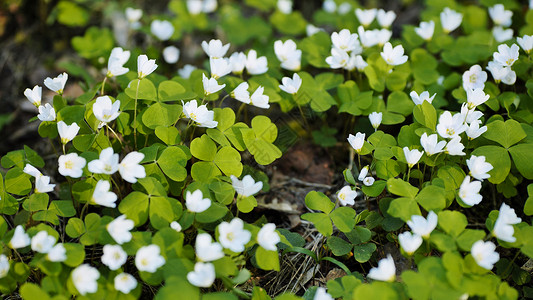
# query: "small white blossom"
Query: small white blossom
211,85
484,254
288,55
478,167
385,271
130,168
186,71
119,229
145,66
503,227
424,96
209,6
450,19
422,226
267,237
412,156
4,266
476,97
125,283
199,114
425,30
357,142
67,132
474,78
171,54
176,226
219,68
84,278
311,29
344,40
237,61
450,127
258,99
506,56
469,191
431,144
385,18
215,49
256,65
291,86
34,95
46,113
233,236
107,162
134,16
500,16
102,195
526,42
368,38
196,202
366,16
241,93
149,259
57,84
474,131
20,238
338,59
71,165
321,294
363,173
105,110
356,61
375,119
195,6
329,6
455,147
285,6
203,275
346,195
369,181
382,36
42,184
247,186
409,242
117,59
58,253
393,56
344,8
114,256
501,35
162,29
42,242
207,250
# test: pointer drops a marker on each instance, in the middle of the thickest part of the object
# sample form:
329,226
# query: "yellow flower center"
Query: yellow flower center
473,78
230,236
69,164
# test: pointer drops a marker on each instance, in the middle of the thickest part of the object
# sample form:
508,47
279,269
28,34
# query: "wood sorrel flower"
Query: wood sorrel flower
385,271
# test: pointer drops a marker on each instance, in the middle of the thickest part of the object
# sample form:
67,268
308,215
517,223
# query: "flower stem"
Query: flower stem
103,86
135,114
114,133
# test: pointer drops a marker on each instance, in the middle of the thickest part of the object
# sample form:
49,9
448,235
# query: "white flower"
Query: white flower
501,35
237,61
34,96
209,6
450,19
199,114
431,144
425,30
412,156
117,59
105,110
215,49
506,56
171,54
32,171
119,229
149,259
338,59
382,36
321,294
145,67
67,132
114,256
219,67
455,147
247,186
58,253
499,72
203,275
476,97
285,6
346,195
365,16
329,6
71,165
344,40
42,242
102,195
478,167
186,71
268,237
503,227
233,236
241,93
291,86
344,8
311,29
206,250
385,271
84,278
130,168
194,6
484,254
363,173
20,238
469,191
196,202
368,38
176,226
368,181
162,29
288,55
510,77
4,266
46,113
211,85
450,127
259,99
107,162
356,61
357,142
125,283
500,16
133,15
393,56
470,115
385,18
422,226
474,131
42,184
424,96
57,84
474,78
256,65
410,242
375,119
526,42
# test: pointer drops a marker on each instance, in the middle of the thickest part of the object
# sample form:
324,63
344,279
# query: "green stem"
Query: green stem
115,134
135,114
84,209
103,85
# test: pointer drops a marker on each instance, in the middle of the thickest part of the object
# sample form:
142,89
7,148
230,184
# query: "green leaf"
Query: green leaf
75,227
321,221
146,91
17,182
359,235
33,291
386,169
95,43
204,171
318,201
442,241
135,207
203,148
75,254
522,155
36,202
403,208
161,114
505,133
172,162
266,259
468,237
374,190
162,211
401,188
246,204
418,285
343,218
214,213
528,206
151,186
228,160
169,135
426,115
338,246
291,24
432,198
498,158
170,90
362,253
375,290
452,222
33,158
